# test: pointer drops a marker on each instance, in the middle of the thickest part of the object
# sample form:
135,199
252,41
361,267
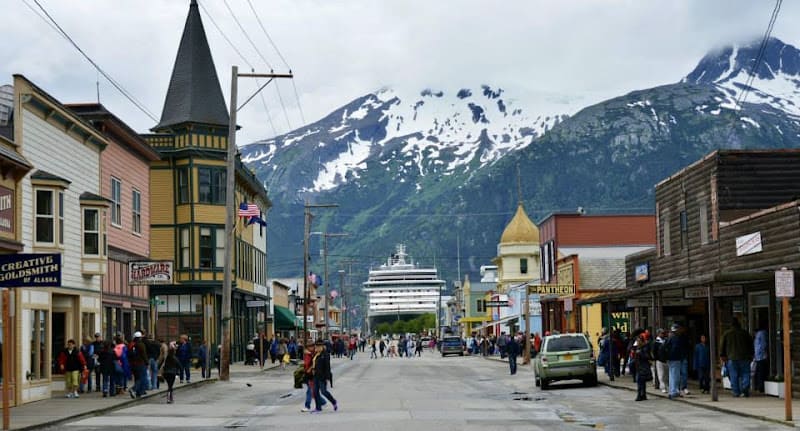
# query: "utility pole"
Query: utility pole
344,301
306,233
327,282
230,209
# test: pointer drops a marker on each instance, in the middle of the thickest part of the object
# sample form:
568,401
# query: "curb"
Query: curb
706,406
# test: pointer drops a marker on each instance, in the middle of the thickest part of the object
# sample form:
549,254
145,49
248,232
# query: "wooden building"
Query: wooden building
725,224
188,210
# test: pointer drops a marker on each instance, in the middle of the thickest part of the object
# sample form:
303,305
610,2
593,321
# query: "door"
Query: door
59,340
127,324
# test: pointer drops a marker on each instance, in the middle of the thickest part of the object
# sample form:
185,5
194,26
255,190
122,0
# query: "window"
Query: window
91,231
665,230
183,185
45,229
701,203
116,202
211,185
219,258
684,230
39,363
137,211
61,217
523,266
185,255
206,248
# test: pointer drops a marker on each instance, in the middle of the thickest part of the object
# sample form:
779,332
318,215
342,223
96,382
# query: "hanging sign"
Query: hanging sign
151,272
784,283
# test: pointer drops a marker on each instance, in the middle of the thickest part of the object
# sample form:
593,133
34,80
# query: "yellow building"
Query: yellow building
188,206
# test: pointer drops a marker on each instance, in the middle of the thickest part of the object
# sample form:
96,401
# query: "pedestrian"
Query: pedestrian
660,355
153,352
641,357
308,379
170,367
202,358
122,368
512,349
87,350
537,342
273,349
282,352
98,347
760,356
184,355
137,355
106,366
702,364
418,348
71,363
501,344
292,347
677,350
736,351
382,346
352,346
322,375
372,350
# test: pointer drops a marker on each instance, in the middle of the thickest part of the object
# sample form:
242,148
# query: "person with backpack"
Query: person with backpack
137,356
122,368
87,350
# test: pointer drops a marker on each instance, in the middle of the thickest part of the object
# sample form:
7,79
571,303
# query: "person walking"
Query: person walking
736,351
169,367
153,352
106,366
137,354
98,347
702,364
641,357
282,352
660,356
71,363
512,349
760,356
184,355
372,350
87,350
352,345
382,346
308,379
202,358
677,351
322,375
122,368
418,348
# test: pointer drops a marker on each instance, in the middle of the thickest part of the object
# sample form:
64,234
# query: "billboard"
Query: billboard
30,270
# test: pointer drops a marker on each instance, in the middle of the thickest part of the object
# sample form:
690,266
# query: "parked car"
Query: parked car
565,357
452,346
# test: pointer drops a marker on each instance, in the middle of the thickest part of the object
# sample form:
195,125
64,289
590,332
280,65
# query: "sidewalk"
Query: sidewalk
757,406
59,409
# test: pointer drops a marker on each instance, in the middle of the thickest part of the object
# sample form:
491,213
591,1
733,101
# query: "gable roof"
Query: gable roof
194,94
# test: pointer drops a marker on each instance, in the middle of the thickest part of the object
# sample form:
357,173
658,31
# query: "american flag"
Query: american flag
248,210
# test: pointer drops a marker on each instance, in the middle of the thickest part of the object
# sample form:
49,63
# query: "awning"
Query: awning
284,319
474,319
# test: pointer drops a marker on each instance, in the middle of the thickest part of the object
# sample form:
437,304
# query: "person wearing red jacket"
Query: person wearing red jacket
71,362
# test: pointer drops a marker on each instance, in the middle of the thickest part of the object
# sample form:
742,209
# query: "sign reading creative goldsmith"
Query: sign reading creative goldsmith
152,272
6,210
552,289
30,270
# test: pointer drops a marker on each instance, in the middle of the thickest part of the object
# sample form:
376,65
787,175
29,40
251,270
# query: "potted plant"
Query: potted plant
774,386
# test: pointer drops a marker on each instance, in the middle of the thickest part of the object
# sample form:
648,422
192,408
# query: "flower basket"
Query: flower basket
774,388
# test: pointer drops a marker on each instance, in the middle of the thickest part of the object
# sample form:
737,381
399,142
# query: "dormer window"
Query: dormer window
94,242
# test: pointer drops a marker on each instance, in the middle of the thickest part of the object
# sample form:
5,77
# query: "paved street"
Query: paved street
434,393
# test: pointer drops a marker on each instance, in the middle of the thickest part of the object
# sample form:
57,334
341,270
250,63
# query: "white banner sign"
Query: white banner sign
784,283
150,272
748,244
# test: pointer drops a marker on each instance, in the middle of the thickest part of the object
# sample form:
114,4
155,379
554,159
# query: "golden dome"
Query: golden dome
521,229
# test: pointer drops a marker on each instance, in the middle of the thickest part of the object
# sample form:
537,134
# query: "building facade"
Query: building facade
125,183
188,205
725,224
62,213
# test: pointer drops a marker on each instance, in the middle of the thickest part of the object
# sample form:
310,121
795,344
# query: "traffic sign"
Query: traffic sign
256,303
784,283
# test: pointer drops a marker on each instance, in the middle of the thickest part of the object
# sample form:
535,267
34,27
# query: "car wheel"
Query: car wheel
591,380
461,354
536,382
443,355
545,384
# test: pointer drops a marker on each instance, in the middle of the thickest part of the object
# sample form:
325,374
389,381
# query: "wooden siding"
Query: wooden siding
757,179
162,244
780,237
582,230
162,197
183,213
116,282
209,213
45,146
133,173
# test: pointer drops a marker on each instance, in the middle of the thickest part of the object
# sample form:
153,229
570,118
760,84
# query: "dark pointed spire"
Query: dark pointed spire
194,94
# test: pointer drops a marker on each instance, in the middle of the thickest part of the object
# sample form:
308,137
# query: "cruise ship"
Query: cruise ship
399,289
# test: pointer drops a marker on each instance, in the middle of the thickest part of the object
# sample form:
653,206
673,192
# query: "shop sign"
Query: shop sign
719,291
150,272
552,289
784,283
748,244
30,270
568,304
640,302
6,210
643,272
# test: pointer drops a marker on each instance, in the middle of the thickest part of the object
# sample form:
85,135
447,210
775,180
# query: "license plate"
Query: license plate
567,357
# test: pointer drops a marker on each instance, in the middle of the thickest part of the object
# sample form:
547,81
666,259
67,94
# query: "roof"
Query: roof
194,94
44,175
602,274
89,196
520,229
96,112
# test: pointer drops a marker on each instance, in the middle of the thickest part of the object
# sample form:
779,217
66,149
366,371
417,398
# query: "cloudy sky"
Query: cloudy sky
576,52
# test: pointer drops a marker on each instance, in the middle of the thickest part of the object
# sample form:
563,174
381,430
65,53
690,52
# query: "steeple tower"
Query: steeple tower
194,95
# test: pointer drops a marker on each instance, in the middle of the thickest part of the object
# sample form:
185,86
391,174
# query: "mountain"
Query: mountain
437,169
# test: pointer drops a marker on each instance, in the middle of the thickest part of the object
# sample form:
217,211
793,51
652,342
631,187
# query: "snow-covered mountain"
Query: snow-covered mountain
432,132
424,167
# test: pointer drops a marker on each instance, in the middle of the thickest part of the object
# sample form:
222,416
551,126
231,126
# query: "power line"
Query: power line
108,77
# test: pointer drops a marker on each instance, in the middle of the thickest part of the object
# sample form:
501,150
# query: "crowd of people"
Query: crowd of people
665,357
118,366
